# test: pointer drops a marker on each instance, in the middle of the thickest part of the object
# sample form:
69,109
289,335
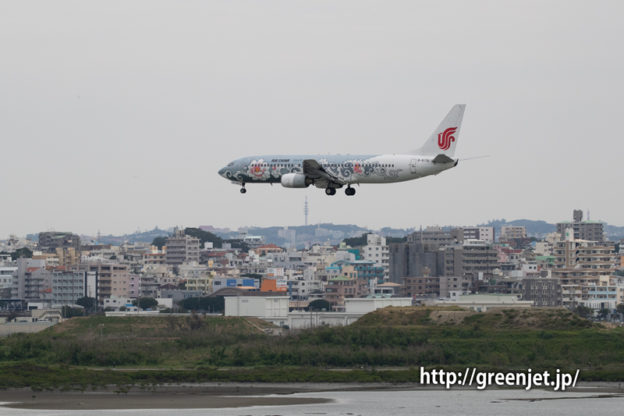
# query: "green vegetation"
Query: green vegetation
361,240
145,303
69,312
319,305
204,304
204,236
196,348
159,242
89,304
20,252
39,377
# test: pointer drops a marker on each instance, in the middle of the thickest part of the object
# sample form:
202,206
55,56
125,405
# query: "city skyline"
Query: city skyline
235,228
117,116
534,228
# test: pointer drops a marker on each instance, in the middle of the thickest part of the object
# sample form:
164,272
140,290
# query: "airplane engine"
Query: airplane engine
295,180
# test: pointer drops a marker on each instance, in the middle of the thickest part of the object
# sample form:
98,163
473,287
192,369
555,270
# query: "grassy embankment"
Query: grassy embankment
387,345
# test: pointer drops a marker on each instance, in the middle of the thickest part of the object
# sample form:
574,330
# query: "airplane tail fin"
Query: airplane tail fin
443,140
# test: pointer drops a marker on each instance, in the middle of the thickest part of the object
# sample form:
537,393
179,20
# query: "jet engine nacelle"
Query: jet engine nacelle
295,180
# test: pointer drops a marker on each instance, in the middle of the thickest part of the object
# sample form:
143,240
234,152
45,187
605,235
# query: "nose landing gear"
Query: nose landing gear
330,191
243,190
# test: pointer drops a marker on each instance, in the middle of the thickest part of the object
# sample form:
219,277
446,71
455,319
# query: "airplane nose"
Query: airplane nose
222,172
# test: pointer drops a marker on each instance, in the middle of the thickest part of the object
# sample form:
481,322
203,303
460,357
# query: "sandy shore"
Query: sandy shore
214,395
178,397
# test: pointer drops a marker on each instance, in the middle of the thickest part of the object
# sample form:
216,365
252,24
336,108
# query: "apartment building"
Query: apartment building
543,292
342,287
583,230
473,257
413,258
113,279
377,251
181,248
51,240
596,292
511,232
578,258
486,234
435,286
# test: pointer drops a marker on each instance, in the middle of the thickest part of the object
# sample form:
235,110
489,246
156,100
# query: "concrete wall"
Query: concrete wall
481,303
365,305
23,327
301,320
258,306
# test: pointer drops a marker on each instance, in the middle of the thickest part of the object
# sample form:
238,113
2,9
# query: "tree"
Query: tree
146,303
583,311
204,236
204,304
603,313
239,244
620,308
21,252
319,305
69,312
356,241
159,242
87,303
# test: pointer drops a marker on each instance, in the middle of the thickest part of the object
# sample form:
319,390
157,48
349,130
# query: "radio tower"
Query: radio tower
306,210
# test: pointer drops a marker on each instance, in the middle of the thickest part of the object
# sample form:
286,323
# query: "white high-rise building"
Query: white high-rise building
377,250
486,234
509,232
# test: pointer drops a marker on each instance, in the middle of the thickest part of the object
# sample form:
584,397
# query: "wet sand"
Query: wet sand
216,395
187,397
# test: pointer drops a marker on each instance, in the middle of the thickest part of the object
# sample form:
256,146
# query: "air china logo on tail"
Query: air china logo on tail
445,139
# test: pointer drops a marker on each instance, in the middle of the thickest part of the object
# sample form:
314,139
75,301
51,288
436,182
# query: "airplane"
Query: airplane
335,171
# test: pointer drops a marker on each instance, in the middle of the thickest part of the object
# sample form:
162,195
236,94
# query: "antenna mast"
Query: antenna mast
306,210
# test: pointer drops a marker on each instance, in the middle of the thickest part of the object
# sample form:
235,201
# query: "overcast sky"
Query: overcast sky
116,115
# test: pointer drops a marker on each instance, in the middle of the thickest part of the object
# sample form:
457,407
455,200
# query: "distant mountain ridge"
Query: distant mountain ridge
534,228
539,228
327,232
136,237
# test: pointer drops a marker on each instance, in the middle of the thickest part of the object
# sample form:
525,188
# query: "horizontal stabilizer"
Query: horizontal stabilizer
442,158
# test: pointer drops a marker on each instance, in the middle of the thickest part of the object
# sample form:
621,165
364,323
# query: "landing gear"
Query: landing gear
243,190
330,191
350,191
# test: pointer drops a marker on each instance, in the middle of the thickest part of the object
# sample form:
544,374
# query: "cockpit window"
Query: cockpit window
230,164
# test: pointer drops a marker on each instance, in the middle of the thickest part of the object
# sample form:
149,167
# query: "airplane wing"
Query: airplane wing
314,170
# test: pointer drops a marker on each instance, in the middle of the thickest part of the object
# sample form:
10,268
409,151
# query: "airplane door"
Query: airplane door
413,166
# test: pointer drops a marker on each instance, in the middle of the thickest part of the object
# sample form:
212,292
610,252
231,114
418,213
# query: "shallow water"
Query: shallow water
415,402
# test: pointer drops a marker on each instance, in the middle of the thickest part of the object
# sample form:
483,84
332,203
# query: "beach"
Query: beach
225,395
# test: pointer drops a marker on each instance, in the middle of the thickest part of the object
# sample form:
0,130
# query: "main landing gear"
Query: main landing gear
243,190
332,191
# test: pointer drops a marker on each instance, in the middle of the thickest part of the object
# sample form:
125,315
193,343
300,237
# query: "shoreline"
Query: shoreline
218,395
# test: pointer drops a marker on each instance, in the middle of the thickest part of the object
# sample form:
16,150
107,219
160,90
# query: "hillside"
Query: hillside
395,340
516,319
157,327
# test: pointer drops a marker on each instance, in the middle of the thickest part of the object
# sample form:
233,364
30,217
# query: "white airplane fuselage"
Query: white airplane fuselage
335,171
349,169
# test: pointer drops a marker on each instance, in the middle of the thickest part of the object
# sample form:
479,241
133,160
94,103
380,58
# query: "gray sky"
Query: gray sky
117,114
